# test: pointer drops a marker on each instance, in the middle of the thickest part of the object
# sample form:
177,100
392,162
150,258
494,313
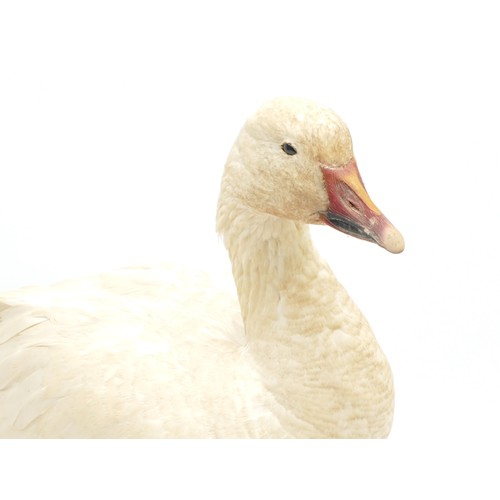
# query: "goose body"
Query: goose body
170,352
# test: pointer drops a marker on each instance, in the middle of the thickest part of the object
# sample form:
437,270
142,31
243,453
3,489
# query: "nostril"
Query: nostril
350,199
353,206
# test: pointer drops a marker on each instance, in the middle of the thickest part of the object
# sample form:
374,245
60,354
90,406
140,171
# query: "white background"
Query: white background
115,121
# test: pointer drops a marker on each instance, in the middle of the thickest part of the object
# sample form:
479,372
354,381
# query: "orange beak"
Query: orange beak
353,212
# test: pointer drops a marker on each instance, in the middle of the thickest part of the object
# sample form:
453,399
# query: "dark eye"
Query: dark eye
288,149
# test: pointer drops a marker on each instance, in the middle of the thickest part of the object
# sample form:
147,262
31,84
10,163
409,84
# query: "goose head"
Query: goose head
294,159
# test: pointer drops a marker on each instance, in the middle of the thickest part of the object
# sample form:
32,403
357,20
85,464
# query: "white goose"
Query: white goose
162,352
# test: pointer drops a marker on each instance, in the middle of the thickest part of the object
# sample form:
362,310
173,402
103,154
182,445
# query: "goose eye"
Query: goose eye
288,149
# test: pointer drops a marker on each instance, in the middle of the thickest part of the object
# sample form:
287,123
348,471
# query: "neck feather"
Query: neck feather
271,257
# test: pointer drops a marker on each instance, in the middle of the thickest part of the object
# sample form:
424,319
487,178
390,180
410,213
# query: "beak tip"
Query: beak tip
393,240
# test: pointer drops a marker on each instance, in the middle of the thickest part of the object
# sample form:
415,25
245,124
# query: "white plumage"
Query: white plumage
170,352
